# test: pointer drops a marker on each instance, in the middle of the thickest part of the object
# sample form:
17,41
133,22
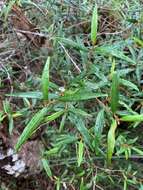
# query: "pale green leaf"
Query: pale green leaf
111,141
132,118
140,152
80,153
47,168
32,94
98,128
94,25
110,51
53,116
45,80
52,151
129,84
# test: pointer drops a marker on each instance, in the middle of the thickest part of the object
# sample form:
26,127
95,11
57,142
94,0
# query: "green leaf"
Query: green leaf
52,151
80,153
8,111
79,123
80,95
62,123
115,92
140,152
111,141
45,80
33,95
47,168
70,43
79,112
65,139
8,9
82,186
31,127
138,41
98,128
132,118
110,51
53,116
94,25
129,84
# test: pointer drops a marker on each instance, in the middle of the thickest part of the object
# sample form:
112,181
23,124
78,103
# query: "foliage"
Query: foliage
87,95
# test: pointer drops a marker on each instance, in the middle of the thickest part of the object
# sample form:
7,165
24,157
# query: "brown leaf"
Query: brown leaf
24,26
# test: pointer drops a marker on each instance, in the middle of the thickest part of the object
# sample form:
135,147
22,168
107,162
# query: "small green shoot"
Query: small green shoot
45,80
94,25
47,168
111,142
115,92
80,152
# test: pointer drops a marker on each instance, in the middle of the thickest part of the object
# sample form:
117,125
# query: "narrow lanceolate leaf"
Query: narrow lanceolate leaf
52,151
72,44
79,123
111,141
140,152
80,95
94,25
138,41
80,153
33,95
111,51
8,111
53,116
115,92
31,127
98,128
129,84
132,118
47,167
45,80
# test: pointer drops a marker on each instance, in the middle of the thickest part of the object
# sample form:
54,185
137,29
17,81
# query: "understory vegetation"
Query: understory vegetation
71,81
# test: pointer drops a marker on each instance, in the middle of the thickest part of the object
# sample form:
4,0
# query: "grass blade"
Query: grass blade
53,116
70,43
132,118
111,141
110,51
8,111
129,84
45,80
80,95
79,123
80,153
94,25
98,128
114,92
32,94
138,41
47,168
52,151
31,127
140,152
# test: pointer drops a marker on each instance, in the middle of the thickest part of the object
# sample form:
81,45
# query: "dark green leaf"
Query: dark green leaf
115,92
31,127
